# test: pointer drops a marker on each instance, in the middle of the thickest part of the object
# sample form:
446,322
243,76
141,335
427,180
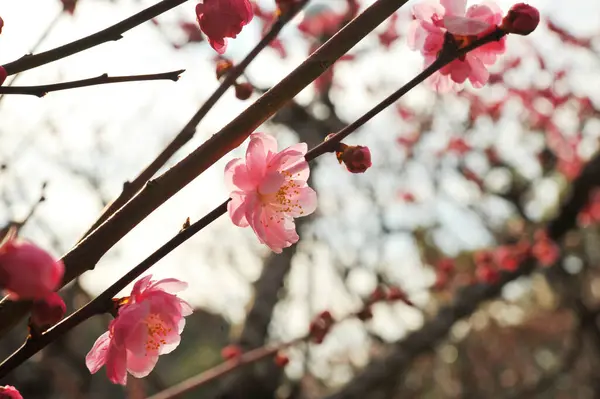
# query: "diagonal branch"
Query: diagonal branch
42,90
467,301
112,33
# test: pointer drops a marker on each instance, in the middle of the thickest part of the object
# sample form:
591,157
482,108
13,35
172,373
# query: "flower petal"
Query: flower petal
170,285
96,357
454,7
237,177
141,366
237,209
256,155
464,26
307,201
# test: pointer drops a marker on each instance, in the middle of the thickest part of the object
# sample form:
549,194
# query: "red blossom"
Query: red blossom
445,265
231,352
3,75
591,213
458,145
487,274
544,249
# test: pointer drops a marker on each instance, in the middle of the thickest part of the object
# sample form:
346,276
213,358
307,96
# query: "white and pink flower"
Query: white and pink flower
148,325
433,19
268,189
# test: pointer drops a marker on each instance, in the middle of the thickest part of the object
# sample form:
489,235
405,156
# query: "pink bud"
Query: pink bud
521,19
357,158
9,392
3,74
27,271
48,311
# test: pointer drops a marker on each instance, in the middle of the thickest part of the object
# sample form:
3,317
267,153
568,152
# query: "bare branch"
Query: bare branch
42,90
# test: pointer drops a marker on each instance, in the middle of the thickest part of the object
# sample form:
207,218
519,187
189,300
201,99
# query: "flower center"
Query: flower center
157,332
284,201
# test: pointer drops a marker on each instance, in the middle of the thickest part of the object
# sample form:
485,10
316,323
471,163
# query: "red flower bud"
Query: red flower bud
365,313
521,19
487,274
69,6
3,74
243,91
223,66
281,360
1,24
320,326
356,158
48,311
231,352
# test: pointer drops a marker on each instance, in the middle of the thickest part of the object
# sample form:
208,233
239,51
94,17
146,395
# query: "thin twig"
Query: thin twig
112,33
37,44
188,131
42,90
224,368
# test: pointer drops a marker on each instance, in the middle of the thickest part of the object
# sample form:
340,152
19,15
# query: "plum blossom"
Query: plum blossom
268,190
9,392
220,19
148,324
427,32
27,271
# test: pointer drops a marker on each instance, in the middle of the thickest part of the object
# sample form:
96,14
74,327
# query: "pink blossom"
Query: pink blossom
9,392
433,20
268,190
27,271
149,324
220,19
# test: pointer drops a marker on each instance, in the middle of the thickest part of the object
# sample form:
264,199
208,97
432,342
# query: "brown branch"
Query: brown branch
189,130
42,90
112,33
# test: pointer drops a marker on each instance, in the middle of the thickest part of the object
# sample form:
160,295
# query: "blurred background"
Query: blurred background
455,179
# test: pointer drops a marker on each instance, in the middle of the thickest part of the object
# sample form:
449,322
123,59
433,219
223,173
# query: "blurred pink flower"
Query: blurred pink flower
220,19
433,20
27,271
149,324
9,392
268,190
48,311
